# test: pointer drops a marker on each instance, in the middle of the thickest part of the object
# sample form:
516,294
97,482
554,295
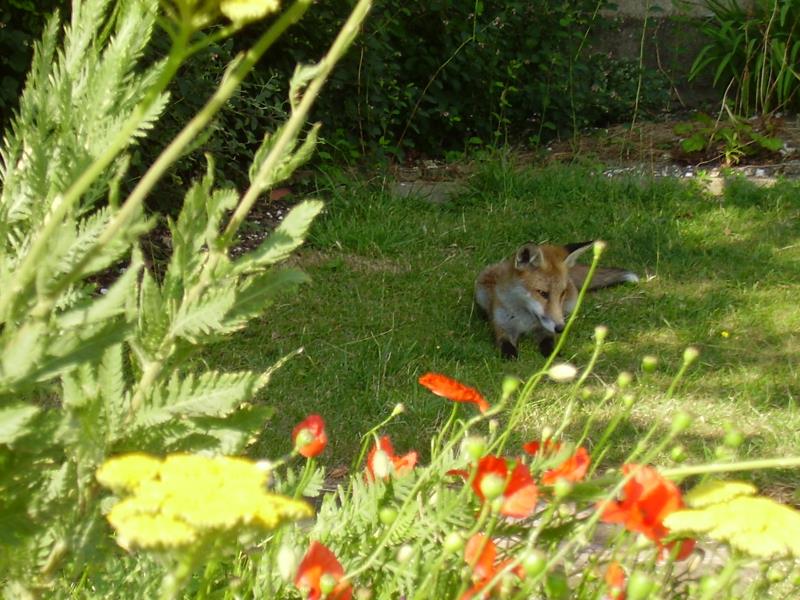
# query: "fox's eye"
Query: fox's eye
543,294
563,294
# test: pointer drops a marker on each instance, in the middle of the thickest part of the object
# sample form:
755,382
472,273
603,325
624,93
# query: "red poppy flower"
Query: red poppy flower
573,469
546,447
315,426
647,499
318,562
400,464
449,388
520,492
615,580
480,554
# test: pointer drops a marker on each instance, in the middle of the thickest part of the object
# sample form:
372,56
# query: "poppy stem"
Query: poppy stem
746,465
437,441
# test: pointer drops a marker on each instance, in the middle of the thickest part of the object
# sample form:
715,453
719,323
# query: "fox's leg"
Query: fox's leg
505,334
547,345
546,341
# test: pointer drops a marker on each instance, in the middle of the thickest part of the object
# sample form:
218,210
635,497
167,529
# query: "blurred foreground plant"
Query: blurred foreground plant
94,347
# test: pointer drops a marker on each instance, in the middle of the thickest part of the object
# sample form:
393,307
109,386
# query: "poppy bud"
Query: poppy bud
454,542
562,372
492,486
474,446
624,379
640,586
690,355
681,422
649,363
534,562
562,488
405,553
327,583
387,515
510,385
287,562
381,465
598,248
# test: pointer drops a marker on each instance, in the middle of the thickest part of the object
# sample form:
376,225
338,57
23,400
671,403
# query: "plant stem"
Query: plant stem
746,465
292,127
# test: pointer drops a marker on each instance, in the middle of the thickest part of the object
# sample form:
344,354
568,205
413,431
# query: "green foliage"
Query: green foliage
88,371
21,23
731,140
753,53
427,77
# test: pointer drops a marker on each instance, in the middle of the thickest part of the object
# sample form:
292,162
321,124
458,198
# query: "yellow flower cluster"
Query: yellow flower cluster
204,12
185,498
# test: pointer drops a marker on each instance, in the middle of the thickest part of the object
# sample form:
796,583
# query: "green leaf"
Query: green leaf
232,434
212,394
288,236
77,346
111,383
204,316
286,164
14,421
772,144
108,306
154,316
259,291
23,351
696,143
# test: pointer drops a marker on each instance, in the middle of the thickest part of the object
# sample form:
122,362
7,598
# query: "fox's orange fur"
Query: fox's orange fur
533,291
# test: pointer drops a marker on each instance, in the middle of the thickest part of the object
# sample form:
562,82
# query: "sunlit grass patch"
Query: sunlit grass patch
391,298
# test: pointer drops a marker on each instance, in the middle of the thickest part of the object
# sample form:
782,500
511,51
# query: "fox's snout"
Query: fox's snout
551,325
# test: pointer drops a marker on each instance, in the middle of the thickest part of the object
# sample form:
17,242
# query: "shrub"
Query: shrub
752,53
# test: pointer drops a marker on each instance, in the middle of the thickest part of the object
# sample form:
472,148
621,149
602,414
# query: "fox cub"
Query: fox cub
535,289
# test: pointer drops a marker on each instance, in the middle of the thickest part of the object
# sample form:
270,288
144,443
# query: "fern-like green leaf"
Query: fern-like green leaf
259,292
22,351
196,319
154,316
108,306
211,394
15,421
283,241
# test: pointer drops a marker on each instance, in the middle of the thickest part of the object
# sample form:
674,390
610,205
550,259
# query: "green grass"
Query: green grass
391,298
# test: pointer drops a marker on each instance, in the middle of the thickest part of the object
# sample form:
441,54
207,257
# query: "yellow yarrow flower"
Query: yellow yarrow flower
177,501
245,11
125,473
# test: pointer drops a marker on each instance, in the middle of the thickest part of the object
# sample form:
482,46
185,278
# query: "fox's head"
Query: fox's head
544,270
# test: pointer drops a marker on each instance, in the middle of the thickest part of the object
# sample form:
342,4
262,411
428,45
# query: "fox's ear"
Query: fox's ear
575,250
529,255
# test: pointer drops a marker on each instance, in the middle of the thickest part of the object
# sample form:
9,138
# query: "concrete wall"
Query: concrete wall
639,8
670,42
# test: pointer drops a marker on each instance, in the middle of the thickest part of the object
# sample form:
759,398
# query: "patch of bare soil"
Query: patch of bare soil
656,146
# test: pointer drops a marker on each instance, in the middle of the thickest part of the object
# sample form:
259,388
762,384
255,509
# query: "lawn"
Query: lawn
391,298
